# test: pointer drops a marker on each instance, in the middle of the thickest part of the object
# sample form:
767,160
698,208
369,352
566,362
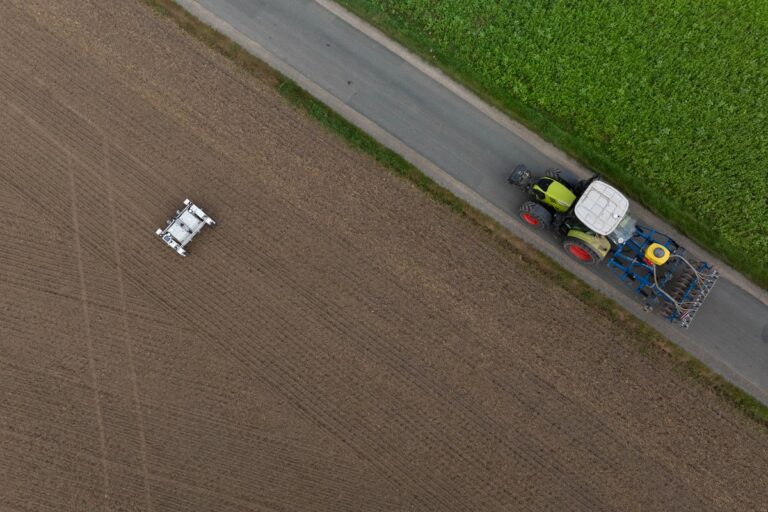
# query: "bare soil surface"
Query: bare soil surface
338,342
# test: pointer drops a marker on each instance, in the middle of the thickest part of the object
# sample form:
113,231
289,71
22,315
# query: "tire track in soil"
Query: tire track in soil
51,135
68,454
298,288
34,436
86,327
126,335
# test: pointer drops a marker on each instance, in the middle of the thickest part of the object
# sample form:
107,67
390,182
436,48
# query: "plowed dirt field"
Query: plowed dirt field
339,341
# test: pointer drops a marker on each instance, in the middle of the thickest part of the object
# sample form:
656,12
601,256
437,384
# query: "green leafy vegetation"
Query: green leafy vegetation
666,98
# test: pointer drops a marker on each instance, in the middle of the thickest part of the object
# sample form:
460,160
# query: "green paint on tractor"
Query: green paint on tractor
553,193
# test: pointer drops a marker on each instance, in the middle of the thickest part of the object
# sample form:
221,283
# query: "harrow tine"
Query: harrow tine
698,295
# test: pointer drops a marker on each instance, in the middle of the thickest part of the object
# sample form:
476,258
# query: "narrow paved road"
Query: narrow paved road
469,148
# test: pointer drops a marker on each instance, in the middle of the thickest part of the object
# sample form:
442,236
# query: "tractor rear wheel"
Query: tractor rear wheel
535,215
565,177
580,251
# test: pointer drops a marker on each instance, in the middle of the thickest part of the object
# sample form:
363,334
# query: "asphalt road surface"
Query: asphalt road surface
469,148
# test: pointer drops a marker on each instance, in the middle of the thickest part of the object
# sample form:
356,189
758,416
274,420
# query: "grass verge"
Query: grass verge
648,341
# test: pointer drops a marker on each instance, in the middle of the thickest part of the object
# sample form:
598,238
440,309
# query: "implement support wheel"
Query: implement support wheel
580,251
535,215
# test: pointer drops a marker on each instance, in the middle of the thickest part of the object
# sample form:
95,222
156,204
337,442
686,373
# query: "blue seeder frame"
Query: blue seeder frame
629,260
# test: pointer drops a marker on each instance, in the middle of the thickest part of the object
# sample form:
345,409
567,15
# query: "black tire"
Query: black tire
535,215
580,251
565,177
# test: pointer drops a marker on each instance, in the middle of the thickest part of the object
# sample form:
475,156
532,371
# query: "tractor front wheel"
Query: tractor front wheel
535,215
580,251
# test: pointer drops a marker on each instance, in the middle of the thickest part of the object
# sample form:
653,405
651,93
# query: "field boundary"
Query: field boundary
648,340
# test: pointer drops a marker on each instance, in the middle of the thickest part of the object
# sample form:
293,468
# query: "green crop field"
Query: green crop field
667,98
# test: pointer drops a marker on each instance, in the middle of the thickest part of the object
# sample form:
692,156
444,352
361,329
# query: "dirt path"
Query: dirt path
338,342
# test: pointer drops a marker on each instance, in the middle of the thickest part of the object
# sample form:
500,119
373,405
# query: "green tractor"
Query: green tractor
590,215
593,220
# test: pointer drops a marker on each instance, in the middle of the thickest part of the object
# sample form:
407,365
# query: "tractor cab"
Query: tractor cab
603,210
590,215
556,191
